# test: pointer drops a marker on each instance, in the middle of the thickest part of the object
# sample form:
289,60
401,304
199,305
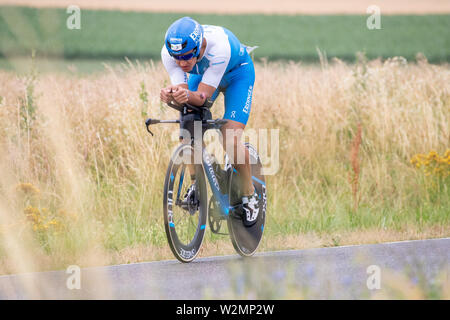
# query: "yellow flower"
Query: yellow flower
27,188
433,164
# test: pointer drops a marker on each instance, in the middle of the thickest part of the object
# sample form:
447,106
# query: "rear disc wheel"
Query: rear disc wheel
247,239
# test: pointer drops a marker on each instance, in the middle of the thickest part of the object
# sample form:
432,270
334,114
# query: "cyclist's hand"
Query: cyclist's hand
181,95
166,94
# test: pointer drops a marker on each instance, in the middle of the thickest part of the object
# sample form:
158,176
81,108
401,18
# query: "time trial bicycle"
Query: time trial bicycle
185,219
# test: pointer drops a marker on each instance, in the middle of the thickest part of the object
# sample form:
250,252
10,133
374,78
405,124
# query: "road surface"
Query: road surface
350,272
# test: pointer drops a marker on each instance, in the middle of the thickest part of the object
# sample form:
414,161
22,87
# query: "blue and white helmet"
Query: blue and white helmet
184,35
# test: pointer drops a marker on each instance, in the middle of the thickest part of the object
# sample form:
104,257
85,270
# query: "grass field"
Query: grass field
115,34
82,180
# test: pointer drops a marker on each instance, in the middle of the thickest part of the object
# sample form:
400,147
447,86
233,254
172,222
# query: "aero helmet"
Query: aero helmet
184,35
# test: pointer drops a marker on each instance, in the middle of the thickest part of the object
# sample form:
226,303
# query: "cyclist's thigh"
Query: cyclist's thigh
193,81
238,94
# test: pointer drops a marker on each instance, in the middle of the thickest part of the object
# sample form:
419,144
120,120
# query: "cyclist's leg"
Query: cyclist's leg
238,100
232,134
193,81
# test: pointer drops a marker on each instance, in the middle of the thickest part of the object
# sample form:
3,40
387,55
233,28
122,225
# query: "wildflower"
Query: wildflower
433,164
432,155
33,214
27,188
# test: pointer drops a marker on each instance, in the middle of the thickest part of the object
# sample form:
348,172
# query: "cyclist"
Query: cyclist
202,61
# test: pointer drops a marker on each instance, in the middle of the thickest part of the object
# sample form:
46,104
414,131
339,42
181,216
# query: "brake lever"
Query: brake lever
149,122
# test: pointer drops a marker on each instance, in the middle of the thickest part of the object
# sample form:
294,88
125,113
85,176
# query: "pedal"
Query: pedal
237,211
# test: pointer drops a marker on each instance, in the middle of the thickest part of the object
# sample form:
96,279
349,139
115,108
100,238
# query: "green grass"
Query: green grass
114,34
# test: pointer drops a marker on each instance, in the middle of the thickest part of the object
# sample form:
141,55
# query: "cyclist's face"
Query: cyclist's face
187,65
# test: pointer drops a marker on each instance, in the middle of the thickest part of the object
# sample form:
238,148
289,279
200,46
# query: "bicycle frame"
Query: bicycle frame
223,199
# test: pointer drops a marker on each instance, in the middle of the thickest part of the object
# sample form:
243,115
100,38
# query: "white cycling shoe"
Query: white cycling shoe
250,206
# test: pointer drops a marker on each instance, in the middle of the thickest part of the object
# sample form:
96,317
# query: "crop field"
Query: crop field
139,35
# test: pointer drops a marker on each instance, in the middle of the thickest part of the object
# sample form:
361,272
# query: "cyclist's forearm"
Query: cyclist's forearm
196,98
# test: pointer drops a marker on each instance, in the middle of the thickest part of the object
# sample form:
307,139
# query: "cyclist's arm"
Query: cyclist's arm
195,98
177,76
210,81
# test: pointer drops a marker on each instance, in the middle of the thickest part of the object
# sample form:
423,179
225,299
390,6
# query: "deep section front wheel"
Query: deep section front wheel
184,218
247,239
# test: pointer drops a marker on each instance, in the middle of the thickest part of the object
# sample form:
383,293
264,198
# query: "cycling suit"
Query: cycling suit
226,66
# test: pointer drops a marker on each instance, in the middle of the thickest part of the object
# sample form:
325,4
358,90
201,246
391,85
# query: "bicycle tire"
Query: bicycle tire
184,250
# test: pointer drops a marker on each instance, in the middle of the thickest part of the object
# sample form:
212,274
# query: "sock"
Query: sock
251,194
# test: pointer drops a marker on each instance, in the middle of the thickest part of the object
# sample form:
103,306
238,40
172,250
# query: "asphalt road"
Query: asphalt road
350,272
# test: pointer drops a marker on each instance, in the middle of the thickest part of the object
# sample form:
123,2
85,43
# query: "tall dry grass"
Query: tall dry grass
82,179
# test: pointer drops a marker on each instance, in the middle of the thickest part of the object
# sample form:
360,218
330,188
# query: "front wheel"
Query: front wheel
184,219
247,239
